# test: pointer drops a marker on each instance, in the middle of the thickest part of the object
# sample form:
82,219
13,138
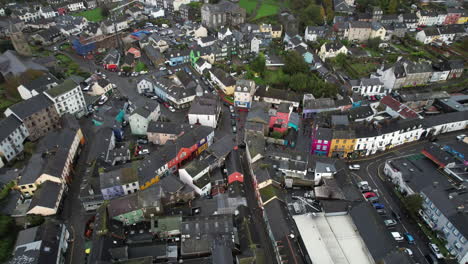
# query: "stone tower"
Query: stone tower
19,41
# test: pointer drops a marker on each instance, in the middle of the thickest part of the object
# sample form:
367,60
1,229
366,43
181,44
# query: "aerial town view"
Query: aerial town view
234,131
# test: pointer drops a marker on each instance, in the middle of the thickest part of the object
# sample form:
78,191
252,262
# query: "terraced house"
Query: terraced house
342,144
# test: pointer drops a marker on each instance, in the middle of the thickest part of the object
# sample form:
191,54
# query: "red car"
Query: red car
166,104
369,194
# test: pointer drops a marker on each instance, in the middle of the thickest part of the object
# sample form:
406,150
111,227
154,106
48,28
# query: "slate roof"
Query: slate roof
122,205
40,83
223,77
32,170
360,112
31,106
8,125
167,128
204,106
47,195
398,107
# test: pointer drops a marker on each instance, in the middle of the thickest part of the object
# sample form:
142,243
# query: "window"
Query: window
31,186
456,233
319,141
325,142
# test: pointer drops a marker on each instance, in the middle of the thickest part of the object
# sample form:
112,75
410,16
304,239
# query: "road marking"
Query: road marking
73,247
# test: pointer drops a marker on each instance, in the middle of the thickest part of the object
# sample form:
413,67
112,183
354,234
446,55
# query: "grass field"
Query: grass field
93,15
249,5
267,10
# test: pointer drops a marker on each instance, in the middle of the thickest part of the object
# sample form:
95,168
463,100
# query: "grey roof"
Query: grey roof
372,230
122,205
337,120
40,83
370,81
31,106
62,88
360,112
119,177
282,227
320,103
221,147
32,170
145,110
225,78
8,125
324,134
56,139
359,24
47,195
167,128
271,92
204,106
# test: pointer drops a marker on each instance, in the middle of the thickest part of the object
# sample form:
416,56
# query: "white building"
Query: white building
37,86
47,12
427,18
196,175
369,87
201,65
331,50
243,93
387,136
67,98
142,115
446,123
76,6
204,110
13,133
145,85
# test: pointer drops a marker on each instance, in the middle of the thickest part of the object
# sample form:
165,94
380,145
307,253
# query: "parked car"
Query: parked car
397,236
172,109
435,249
231,109
154,97
378,206
408,251
166,104
354,167
369,194
364,186
233,122
409,238
381,212
373,199
234,129
142,141
103,100
233,115
390,222
143,152
461,137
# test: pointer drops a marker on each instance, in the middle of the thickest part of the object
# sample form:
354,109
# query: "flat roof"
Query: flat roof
332,239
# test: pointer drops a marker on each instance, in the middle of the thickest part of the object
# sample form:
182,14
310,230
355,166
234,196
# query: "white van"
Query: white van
397,236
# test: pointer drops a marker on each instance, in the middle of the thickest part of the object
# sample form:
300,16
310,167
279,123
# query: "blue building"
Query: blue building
176,57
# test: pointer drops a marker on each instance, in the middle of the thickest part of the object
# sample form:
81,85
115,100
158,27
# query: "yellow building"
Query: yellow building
342,144
275,30
463,19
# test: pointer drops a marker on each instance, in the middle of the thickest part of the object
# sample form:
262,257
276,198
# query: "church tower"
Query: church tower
19,41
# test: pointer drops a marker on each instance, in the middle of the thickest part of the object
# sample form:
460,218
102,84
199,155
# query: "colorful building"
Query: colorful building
342,144
279,118
321,141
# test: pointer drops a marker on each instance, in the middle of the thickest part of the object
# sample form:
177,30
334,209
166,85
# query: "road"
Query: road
372,172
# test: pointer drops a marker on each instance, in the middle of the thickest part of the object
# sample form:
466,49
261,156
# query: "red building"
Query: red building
279,118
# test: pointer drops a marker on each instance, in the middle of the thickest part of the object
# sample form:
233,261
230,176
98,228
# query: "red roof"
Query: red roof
236,176
398,107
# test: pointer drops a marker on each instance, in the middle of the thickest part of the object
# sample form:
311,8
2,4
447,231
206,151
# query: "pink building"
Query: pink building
321,141
452,16
279,118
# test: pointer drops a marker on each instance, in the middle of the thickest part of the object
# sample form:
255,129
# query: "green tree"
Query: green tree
6,224
299,82
413,203
294,63
276,134
105,11
258,64
6,246
34,220
341,59
8,11
312,14
392,7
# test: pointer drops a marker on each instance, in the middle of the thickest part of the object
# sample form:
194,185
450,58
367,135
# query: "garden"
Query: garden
93,15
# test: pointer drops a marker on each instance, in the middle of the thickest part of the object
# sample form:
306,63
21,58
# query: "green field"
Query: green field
267,10
249,5
93,15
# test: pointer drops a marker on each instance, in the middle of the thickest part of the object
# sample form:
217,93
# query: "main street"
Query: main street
372,172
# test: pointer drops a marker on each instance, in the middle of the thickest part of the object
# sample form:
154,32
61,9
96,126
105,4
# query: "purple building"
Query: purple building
321,141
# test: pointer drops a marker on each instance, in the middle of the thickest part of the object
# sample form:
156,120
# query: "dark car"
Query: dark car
233,122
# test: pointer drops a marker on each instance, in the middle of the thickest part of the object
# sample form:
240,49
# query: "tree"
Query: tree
258,64
294,63
341,59
105,11
312,14
6,224
299,82
34,220
374,43
8,11
6,45
413,203
392,7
